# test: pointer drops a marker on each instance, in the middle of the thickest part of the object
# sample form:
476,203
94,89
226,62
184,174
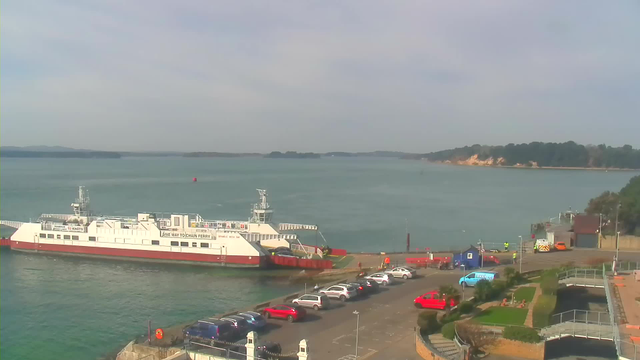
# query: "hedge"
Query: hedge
542,310
428,322
520,333
465,307
449,330
549,283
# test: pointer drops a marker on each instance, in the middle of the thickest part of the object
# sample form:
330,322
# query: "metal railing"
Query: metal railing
582,316
581,274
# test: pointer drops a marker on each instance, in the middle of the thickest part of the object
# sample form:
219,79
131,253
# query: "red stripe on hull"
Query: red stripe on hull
229,260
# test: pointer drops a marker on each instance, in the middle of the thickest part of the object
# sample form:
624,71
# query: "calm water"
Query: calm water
80,309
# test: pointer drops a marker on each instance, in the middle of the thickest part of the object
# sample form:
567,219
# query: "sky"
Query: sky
361,75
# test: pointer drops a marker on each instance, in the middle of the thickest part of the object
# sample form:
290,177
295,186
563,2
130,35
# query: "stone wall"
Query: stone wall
627,242
138,351
519,349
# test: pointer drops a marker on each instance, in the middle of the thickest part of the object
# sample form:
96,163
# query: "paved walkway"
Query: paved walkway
529,320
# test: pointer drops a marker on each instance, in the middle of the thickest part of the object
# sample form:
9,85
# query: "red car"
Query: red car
289,312
432,300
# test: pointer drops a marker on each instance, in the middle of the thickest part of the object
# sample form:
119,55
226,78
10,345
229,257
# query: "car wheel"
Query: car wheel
267,314
405,277
290,318
464,284
343,298
316,307
418,305
384,283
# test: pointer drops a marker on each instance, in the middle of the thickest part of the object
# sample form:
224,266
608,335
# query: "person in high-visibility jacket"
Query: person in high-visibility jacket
506,246
535,248
515,256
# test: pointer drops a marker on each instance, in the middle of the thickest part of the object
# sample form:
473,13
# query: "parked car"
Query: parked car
472,278
282,251
432,300
359,287
253,318
240,324
402,272
381,278
315,301
342,292
289,312
263,348
371,286
560,245
210,330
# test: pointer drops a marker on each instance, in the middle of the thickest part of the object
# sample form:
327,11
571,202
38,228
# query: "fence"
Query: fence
625,349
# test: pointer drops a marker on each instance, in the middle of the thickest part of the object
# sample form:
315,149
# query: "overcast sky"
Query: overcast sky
416,76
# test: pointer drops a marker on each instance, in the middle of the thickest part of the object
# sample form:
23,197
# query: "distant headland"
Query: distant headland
568,155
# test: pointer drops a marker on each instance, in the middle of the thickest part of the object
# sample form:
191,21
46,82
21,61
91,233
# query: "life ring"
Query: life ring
159,334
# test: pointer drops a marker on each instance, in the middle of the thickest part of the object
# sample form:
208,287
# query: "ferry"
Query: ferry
186,238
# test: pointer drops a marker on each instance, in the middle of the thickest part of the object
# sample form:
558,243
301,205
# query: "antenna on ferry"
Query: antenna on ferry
261,212
81,206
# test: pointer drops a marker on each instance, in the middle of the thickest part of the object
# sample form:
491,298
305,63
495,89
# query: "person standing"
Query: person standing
515,256
535,248
387,261
506,246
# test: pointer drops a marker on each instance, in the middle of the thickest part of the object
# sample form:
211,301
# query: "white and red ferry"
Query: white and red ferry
156,237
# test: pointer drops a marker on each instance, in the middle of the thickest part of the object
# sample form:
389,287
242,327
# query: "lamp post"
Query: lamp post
520,254
357,330
617,232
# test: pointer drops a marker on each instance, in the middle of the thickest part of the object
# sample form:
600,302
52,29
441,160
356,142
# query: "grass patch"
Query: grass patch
502,315
340,262
525,293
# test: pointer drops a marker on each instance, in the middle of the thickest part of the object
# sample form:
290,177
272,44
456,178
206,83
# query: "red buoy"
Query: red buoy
195,179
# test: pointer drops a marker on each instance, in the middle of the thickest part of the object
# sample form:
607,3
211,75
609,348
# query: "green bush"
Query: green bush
465,307
549,283
520,333
498,287
483,290
542,310
449,330
428,322
453,316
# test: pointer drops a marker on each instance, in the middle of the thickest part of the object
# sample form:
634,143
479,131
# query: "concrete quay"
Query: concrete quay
387,320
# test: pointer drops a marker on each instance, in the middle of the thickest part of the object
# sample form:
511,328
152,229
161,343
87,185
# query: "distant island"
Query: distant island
539,155
292,155
80,154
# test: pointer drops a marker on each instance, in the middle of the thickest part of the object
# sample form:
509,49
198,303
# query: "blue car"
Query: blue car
255,320
210,331
472,278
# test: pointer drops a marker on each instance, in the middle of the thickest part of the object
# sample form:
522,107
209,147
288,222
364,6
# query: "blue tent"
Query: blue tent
470,258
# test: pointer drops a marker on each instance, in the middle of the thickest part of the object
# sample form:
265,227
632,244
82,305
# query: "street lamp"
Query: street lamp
617,232
357,330
521,253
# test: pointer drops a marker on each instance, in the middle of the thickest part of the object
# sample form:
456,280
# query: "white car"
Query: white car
402,272
381,278
315,301
342,292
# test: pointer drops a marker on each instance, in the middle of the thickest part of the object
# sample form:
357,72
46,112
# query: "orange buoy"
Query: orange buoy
159,334
195,179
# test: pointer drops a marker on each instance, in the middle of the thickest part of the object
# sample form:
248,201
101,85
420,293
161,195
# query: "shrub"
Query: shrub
449,330
483,291
465,307
520,333
549,283
428,322
451,317
542,310
498,287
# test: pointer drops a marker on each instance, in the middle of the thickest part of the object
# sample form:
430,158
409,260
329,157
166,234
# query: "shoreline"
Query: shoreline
531,168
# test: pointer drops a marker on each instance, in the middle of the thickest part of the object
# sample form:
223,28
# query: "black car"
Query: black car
370,286
282,251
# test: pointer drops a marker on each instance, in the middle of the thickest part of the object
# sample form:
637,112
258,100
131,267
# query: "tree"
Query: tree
629,212
449,293
604,204
475,336
483,290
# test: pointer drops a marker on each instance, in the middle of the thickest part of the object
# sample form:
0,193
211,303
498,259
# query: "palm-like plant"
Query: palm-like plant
449,293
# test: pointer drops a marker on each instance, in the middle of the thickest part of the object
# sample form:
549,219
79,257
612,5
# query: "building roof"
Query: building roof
586,224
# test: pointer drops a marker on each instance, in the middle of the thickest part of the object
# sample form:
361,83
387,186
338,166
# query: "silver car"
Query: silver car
381,278
315,301
402,272
342,292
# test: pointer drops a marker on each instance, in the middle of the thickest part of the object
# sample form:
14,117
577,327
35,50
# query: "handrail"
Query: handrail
614,325
582,316
581,273
427,343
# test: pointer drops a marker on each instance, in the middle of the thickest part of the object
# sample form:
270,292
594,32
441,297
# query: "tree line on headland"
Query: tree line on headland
539,154
626,203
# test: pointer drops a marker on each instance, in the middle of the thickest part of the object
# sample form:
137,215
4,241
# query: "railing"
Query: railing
582,316
429,346
581,274
461,344
11,224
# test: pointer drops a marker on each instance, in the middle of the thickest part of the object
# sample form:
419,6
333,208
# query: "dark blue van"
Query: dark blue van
210,330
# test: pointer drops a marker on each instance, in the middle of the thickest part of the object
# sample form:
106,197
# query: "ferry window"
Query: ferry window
155,242
204,245
174,243
184,243
58,237
44,236
67,237
50,236
74,237
92,238
194,244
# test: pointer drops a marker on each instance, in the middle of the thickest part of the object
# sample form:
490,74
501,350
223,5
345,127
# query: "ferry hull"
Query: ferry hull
142,255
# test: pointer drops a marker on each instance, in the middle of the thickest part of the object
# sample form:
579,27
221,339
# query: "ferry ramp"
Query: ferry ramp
11,224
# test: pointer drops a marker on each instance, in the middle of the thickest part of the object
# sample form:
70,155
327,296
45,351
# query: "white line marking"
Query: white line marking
335,341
